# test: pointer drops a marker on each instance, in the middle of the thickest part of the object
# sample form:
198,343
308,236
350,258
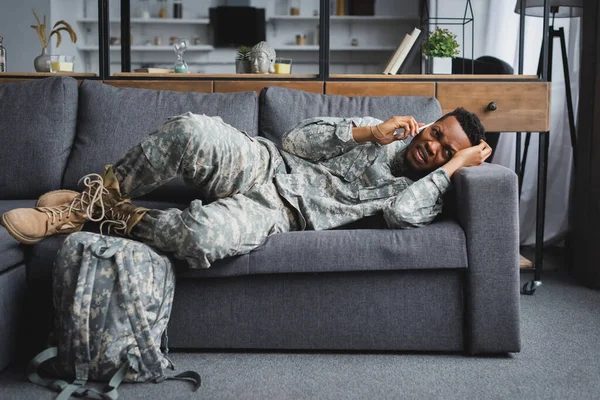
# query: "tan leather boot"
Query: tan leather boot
56,198
122,217
30,225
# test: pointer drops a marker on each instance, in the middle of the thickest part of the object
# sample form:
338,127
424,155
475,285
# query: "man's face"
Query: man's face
436,145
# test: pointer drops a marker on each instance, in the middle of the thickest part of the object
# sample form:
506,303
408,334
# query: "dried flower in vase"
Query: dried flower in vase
60,26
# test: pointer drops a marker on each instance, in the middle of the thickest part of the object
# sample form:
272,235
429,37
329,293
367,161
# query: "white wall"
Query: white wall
21,42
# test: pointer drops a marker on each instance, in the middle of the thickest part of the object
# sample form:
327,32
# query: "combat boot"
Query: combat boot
122,217
56,198
30,225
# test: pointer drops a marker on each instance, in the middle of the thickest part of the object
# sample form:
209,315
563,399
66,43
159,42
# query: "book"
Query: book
154,70
395,55
404,52
412,53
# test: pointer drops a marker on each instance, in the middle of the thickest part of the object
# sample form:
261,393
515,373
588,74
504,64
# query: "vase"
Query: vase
243,67
40,63
440,65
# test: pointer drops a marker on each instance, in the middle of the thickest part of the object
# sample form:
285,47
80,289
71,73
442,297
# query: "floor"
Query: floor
559,359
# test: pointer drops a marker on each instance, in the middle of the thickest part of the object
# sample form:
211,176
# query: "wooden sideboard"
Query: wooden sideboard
504,103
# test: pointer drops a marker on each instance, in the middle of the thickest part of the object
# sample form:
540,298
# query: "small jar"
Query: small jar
162,12
300,40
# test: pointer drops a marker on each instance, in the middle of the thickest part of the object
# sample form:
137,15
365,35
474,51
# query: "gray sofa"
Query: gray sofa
450,286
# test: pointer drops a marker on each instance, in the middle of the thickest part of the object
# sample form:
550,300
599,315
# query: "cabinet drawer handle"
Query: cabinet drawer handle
492,106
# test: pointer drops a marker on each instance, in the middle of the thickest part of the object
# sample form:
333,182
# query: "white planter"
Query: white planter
439,65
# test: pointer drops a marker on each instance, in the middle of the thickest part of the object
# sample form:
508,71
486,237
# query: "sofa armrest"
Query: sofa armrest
488,211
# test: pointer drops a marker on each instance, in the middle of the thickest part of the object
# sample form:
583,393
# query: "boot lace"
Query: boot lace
90,197
117,221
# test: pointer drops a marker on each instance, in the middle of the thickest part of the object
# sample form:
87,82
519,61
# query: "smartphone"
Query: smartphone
420,129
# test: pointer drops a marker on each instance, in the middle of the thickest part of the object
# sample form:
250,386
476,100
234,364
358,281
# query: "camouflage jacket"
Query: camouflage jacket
332,180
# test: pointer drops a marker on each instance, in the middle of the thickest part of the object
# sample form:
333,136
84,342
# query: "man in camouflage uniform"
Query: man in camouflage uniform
329,172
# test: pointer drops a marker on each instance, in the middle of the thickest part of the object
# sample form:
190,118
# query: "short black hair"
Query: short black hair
469,122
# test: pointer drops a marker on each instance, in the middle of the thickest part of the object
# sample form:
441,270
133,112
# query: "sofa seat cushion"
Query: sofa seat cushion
11,251
37,127
441,245
112,120
277,115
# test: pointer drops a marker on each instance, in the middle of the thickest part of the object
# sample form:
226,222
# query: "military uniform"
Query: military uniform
321,179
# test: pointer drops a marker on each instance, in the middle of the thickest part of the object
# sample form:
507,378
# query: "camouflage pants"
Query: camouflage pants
240,205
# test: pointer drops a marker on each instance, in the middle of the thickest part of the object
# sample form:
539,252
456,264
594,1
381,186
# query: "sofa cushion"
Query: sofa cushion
37,127
112,120
441,245
281,108
11,251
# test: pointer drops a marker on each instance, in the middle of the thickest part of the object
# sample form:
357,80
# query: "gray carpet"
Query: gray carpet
560,359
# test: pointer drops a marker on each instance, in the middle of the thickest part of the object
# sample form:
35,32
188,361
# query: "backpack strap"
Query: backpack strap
188,376
65,389
137,317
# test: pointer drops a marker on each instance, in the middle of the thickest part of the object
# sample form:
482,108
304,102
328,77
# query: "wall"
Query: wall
21,42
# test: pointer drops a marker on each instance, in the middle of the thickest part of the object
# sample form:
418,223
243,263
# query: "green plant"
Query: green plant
61,25
440,43
243,53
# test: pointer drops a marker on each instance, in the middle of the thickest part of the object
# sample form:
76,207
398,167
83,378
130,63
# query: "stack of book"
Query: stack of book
405,54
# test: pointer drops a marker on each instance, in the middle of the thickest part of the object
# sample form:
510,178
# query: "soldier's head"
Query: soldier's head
438,143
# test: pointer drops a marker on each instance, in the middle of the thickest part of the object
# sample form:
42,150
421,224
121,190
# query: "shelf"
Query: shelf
148,48
34,74
282,77
314,47
155,21
430,77
366,18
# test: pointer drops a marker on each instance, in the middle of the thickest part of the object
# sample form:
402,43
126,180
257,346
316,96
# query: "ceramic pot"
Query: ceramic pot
243,67
440,65
40,63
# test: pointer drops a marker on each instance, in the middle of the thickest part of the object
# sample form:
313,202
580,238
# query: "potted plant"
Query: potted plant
41,62
439,49
242,61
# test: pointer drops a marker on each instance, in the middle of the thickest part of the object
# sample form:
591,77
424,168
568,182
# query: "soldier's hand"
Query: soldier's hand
474,155
395,128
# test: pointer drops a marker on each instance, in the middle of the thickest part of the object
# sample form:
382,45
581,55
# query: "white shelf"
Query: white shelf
367,18
148,48
155,21
293,47
311,47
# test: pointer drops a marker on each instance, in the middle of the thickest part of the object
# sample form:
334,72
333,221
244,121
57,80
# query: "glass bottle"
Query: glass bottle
162,12
144,9
177,9
2,57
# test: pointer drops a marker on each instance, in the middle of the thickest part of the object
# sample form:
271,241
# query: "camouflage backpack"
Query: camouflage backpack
112,300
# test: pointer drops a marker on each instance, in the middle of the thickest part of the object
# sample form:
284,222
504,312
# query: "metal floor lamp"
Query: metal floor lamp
553,9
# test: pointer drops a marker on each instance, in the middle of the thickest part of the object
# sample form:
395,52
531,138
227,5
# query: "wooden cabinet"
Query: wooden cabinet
501,106
245,86
381,88
504,103
177,86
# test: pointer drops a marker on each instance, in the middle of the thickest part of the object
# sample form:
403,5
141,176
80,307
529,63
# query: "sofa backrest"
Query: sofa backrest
111,120
281,108
37,128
